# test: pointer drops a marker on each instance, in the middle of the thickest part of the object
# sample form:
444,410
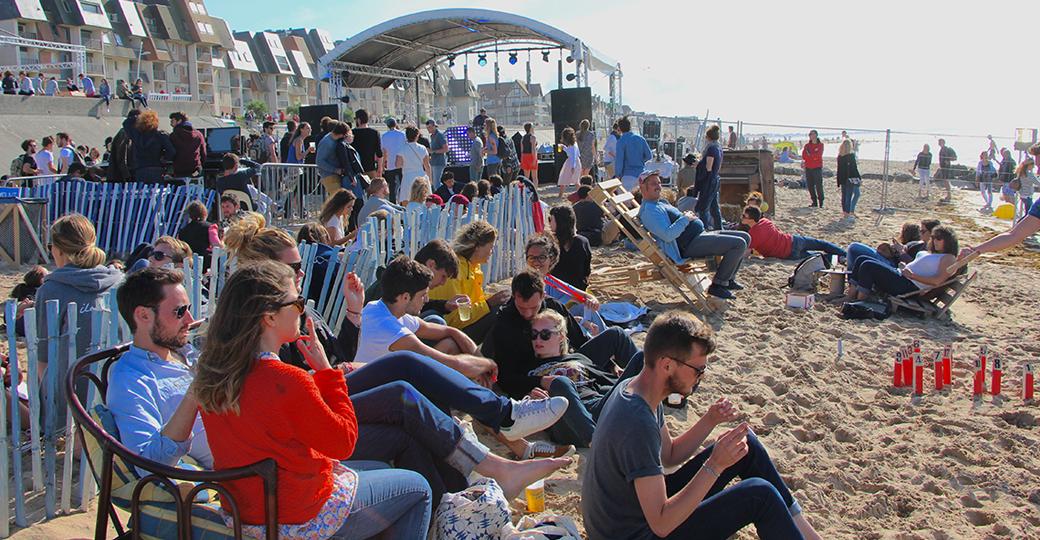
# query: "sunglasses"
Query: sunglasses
296,266
700,370
161,256
179,311
544,335
299,303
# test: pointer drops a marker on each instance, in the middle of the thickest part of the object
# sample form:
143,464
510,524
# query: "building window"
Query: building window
209,29
283,63
91,7
119,39
201,8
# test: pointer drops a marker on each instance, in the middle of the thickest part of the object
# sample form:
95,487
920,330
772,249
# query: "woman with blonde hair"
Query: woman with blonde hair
417,198
255,407
492,161
570,172
473,245
81,277
152,148
848,178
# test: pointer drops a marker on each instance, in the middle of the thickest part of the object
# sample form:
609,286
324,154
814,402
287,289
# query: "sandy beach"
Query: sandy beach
865,460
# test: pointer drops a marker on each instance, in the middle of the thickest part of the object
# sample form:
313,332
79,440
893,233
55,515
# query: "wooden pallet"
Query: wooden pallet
622,209
934,302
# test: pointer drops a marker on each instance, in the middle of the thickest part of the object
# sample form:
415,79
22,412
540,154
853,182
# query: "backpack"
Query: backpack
16,166
865,310
804,276
258,152
505,149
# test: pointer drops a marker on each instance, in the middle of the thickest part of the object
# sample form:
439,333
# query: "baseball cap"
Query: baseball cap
431,122
647,173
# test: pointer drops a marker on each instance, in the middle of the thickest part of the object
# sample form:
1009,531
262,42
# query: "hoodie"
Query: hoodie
191,149
86,287
150,149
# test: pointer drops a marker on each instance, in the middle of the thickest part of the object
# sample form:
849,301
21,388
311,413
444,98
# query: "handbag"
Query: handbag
479,512
545,527
854,181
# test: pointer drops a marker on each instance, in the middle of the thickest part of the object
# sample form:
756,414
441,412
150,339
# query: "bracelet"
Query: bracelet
710,469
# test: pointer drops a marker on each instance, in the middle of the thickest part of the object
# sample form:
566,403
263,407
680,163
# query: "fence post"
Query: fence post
32,374
15,444
51,409
71,329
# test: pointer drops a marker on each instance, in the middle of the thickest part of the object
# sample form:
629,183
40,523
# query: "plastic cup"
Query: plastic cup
465,309
536,496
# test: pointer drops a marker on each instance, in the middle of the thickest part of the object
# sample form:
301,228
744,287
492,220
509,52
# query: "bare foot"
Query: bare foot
514,476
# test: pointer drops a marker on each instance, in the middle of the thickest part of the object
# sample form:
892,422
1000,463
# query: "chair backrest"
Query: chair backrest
242,196
109,453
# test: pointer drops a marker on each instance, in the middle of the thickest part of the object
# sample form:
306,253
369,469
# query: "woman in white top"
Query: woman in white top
570,172
417,198
335,216
414,161
929,269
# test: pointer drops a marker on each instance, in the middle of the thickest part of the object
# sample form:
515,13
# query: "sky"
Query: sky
914,65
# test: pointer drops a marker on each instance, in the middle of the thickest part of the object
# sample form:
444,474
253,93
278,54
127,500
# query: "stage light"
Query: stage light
570,77
512,58
570,59
545,55
482,60
451,60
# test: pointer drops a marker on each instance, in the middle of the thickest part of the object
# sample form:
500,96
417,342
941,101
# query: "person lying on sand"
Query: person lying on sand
626,494
769,241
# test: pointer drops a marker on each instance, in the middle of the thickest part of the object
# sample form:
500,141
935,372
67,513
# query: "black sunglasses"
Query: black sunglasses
544,335
300,303
179,311
158,255
296,266
700,370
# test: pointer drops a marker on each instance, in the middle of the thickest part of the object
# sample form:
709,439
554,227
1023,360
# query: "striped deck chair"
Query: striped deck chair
158,509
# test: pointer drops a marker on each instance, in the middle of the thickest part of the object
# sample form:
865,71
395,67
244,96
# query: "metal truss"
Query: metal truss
79,54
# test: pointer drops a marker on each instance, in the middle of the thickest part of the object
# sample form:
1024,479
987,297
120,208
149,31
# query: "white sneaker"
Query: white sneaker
546,449
534,415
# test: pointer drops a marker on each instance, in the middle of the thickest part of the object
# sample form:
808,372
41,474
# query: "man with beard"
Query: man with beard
626,493
148,392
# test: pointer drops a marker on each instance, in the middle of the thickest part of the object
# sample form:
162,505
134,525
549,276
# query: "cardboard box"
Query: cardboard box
800,300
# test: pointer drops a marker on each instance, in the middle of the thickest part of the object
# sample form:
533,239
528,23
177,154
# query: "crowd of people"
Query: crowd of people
27,83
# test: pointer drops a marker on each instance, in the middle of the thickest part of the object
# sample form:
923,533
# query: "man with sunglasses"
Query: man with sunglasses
148,386
625,493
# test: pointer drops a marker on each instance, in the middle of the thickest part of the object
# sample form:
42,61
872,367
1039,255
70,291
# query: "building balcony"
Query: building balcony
207,98
93,44
205,76
204,57
94,68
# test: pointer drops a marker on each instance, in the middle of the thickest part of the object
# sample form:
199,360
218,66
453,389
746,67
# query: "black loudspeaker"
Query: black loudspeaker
571,105
312,114
652,132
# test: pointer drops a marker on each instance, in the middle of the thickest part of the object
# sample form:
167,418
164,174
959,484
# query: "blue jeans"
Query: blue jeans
577,424
474,172
859,253
761,497
446,388
393,179
853,198
397,424
389,503
731,245
874,275
437,171
802,245
708,207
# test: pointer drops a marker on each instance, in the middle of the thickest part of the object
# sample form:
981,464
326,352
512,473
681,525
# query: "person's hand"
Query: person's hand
499,298
347,367
905,272
545,381
538,393
591,327
353,292
473,367
311,349
591,302
730,448
453,304
965,253
722,411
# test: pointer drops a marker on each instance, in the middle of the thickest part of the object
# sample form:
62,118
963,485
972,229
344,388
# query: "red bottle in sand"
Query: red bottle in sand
897,373
983,351
976,389
908,365
998,368
937,364
918,374
1027,382
947,361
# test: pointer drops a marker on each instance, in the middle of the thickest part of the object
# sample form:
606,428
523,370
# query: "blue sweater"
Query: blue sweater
666,223
631,155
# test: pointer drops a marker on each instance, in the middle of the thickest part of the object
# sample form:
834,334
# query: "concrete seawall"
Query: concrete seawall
35,117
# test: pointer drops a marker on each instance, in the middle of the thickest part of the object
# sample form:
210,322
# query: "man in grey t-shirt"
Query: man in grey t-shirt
625,493
438,153
476,155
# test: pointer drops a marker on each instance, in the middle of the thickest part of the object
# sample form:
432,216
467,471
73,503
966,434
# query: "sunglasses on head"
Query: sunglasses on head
299,303
544,334
179,311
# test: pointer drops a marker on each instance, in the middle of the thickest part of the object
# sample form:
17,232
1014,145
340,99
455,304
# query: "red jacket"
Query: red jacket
770,241
191,149
812,155
306,423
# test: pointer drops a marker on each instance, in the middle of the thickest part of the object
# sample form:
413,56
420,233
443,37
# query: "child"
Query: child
769,241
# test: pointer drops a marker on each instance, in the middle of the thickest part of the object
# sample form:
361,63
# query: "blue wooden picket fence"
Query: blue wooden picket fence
379,241
124,215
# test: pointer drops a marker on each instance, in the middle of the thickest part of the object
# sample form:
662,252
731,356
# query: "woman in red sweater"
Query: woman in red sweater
812,161
255,407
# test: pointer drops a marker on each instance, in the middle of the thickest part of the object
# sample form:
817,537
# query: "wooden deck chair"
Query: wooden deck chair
934,302
687,277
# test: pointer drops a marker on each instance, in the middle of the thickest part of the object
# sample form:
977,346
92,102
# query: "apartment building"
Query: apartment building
515,102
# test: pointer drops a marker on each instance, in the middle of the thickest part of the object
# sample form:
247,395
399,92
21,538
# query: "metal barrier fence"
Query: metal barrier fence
124,215
33,181
295,191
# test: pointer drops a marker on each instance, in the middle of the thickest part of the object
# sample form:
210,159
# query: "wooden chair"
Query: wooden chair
158,509
687,277
934,302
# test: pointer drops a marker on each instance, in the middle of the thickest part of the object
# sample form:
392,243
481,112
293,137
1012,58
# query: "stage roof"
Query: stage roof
405,46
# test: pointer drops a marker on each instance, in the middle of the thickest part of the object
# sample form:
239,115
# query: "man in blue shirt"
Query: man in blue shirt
438,153
681,236
148,392
630,155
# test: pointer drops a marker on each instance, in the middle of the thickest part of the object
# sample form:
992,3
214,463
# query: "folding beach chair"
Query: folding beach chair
686,276
934,302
